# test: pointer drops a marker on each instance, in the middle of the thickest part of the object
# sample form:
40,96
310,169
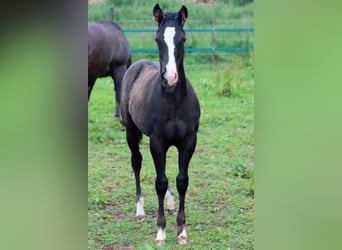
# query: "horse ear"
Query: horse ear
157,13
183,15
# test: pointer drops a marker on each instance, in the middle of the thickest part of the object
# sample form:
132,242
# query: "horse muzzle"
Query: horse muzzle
170,78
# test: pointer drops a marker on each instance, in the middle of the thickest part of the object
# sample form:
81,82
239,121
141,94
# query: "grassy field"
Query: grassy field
219,201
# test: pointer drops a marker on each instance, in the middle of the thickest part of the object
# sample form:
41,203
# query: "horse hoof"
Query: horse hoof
160,242
171,211
181,240
140,218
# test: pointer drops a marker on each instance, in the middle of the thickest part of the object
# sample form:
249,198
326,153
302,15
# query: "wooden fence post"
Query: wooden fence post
111,13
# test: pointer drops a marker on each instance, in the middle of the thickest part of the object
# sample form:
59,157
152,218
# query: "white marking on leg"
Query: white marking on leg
170,203
161,235
140,207
183,234
171,70
182,238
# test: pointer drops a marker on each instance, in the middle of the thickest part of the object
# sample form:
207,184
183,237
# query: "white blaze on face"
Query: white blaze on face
171,70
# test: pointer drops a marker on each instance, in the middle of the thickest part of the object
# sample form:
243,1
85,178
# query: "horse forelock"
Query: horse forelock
169,16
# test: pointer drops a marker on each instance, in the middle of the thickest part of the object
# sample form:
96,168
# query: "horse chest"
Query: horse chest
174,124
174,120
174,129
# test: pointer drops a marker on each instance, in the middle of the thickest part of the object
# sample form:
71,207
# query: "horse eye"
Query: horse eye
156,39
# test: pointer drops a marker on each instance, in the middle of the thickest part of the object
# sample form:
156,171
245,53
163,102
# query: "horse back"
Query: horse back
107,45
137,86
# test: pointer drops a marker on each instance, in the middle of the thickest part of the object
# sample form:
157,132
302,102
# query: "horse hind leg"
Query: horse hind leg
170,203
117,75
133,137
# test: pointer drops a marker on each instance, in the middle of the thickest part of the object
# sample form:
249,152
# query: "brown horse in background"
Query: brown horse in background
108,55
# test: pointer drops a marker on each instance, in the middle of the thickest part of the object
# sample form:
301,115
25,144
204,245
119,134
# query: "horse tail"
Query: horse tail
111,14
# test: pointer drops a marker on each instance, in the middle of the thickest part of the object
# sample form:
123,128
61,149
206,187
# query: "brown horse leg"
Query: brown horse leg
158,152
117,75
133,137
186,151
91,84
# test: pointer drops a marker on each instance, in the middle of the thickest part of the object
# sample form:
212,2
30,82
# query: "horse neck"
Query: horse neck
182,78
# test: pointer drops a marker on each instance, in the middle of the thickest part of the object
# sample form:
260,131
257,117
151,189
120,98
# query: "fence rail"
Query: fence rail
231,49
199,30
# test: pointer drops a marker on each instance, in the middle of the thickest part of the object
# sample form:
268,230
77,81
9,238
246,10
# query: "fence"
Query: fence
213,32
209,41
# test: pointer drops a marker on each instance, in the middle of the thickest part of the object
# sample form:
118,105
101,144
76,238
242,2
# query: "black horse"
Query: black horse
159,101
108,55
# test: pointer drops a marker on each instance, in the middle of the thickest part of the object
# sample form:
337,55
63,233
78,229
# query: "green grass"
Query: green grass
219,202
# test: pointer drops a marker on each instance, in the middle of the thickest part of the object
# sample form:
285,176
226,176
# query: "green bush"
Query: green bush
241,2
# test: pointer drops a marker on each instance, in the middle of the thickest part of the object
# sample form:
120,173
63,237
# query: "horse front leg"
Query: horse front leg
158,154
186,150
